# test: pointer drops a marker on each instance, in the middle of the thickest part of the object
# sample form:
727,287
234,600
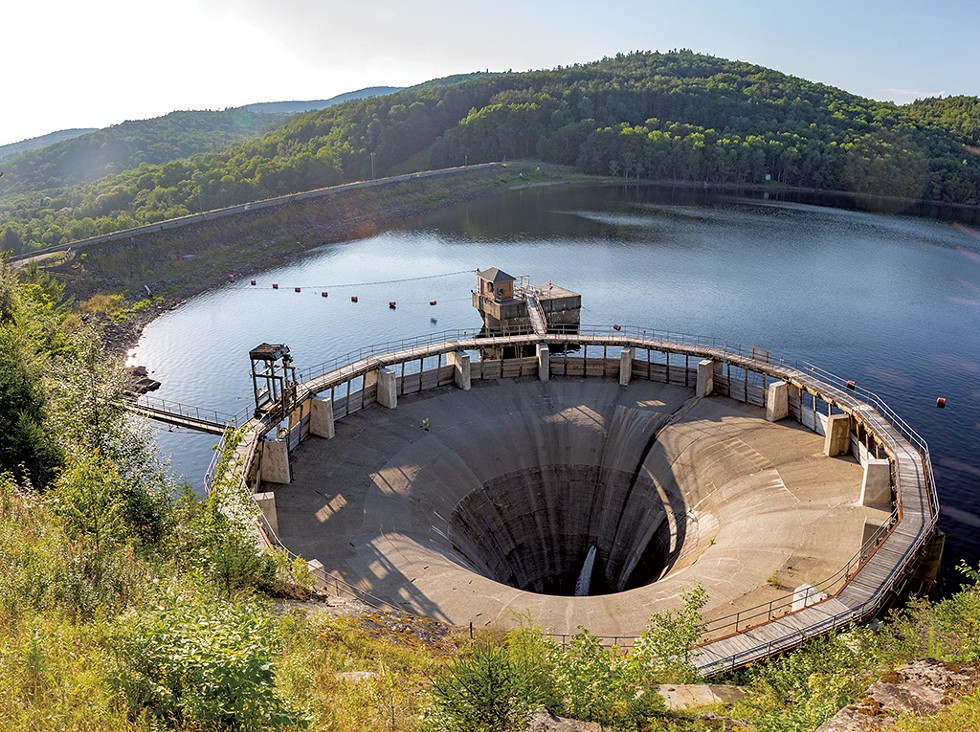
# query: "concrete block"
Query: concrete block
625,366
318,572
275,462
460,362
876,486
777,401
706,378
837,439
387,393
267,505
544,362
321,419
806,595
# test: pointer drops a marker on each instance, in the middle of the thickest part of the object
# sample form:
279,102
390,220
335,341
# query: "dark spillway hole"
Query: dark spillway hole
532,529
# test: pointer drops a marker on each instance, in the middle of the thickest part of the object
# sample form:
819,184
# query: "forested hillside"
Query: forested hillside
300,107
127,145
674,116
14,149
961,115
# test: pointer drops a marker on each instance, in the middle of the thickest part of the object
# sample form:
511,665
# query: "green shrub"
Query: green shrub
666,644
192,661
484,691
605,685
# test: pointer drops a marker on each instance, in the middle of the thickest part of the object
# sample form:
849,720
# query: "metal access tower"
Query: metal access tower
273,379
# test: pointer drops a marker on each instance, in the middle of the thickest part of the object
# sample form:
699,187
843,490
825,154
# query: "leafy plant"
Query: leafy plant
666,644
195,662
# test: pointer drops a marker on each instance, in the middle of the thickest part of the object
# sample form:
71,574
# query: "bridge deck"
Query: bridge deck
182,416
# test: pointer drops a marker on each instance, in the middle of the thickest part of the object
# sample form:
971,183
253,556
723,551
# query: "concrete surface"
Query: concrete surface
515,479
692,696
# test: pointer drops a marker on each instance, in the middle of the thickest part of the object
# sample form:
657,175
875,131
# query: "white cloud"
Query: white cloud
908,95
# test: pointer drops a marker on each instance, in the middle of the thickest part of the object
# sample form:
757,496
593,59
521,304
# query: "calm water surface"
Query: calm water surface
891,302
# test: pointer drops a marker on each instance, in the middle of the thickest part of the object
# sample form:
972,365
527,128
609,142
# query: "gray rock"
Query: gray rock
547,722
921,688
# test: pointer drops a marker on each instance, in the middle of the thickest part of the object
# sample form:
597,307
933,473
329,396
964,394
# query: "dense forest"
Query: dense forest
676,116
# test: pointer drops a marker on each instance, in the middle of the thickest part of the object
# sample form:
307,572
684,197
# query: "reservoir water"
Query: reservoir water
889,301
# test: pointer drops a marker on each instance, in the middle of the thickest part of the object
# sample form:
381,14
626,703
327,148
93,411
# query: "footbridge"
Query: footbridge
183,415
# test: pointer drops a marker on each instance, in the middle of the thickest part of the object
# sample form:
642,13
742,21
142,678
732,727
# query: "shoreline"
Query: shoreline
175,264
181,263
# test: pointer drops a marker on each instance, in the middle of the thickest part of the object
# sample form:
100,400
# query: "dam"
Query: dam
467,476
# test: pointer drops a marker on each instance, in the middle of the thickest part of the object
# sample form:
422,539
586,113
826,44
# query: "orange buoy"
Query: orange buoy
432,302
298,289
617,326
253,283
852,385
323,294
941,403
353,298
391,304
275,285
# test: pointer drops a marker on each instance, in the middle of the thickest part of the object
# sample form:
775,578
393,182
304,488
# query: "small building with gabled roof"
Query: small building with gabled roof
495,284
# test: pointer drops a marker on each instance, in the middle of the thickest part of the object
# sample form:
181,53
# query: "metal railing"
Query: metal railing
190,412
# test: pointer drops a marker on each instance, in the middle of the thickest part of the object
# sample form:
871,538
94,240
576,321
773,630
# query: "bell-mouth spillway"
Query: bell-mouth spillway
471,490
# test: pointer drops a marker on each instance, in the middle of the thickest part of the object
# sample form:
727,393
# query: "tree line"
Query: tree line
668,116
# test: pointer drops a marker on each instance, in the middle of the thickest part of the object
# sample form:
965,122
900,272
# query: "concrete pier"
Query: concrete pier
275,462
837,441
321,419
460,361
387,391
777,401
267,504
876,487
706,378
544,361
625,366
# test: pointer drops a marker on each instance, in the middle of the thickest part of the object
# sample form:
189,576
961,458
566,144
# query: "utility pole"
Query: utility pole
372,165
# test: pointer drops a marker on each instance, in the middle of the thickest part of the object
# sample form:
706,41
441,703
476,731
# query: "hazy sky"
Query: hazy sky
92,64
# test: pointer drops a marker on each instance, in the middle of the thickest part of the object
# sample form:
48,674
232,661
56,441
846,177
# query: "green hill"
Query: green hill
300,107
667,116
129,144
14,149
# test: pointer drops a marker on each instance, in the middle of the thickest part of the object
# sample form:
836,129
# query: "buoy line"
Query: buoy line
278,286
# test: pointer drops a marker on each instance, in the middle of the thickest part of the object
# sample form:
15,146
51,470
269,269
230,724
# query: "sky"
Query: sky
71,63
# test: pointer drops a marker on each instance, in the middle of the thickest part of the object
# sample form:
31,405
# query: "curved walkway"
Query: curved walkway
862,585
